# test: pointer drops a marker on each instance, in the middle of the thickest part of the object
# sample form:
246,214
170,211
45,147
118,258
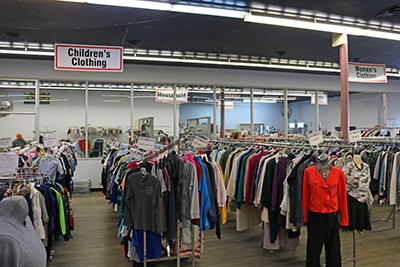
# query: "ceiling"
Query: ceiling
62,22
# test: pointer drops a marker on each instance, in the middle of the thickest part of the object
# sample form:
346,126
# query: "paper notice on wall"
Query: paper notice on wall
146,143
394,133
5,142
199,142
355,136
8,162
50,140
335,134
316,138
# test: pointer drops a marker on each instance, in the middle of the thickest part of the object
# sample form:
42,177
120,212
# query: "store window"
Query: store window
17,106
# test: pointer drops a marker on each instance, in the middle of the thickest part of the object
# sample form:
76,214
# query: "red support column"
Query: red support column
222,121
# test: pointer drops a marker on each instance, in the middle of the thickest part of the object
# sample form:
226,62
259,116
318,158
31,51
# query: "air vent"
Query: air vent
390,12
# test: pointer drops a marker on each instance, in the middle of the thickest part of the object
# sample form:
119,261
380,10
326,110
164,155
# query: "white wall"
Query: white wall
44,69
268,114
365,111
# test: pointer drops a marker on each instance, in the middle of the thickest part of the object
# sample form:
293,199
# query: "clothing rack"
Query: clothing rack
291,145
159,152
179,224
391,216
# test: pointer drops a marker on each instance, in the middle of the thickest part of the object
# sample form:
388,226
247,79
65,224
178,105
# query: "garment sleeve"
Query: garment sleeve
10,251
344,210
306,195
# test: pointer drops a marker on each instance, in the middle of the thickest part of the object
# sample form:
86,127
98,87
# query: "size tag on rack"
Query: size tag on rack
8,162
199,142
146,143
5,142
50,140
394,133
316,138
355,136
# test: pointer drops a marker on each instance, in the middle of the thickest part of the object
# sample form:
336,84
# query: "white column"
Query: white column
86,119
316,111
252,113
285,111
37,103
214,112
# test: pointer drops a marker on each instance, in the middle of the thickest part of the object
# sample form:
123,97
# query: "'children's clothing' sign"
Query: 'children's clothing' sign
167,95
88,58
367,73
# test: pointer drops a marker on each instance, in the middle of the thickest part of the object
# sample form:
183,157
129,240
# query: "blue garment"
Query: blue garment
153,244
212,212
53,203
49,165
205,199
114,193
382,175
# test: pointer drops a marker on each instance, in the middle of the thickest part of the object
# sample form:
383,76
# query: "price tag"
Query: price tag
50,140
394,133
5,142
316,138
355,136
8,162
199,142
146,143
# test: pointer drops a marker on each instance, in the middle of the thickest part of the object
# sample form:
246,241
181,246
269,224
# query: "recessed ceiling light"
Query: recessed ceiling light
356,59
12,34
281,53
133,41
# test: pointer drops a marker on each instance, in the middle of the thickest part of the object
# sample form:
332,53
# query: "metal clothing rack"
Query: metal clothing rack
178,257
391,216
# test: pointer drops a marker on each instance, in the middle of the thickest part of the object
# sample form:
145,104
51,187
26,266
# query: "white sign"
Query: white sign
88,58
50,140
167,95
227,104
394,133
146,143
199,142
322,99
8,162
335,134
5,142
367,73
316,138
355,136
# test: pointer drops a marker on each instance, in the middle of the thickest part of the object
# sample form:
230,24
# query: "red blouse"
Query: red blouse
325,196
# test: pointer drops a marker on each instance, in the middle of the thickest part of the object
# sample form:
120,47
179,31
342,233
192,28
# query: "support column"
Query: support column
341,41
384,110
86,120
285,111
222,120
252,113
175,119
37,103
132,111
215,112
316,111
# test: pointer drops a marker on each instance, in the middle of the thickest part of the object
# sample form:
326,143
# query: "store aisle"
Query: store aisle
95,242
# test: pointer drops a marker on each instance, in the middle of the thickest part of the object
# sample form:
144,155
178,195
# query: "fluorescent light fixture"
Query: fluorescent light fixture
23,52
126,3
111,101
227,63
269,101
208,11
323,27
200,10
